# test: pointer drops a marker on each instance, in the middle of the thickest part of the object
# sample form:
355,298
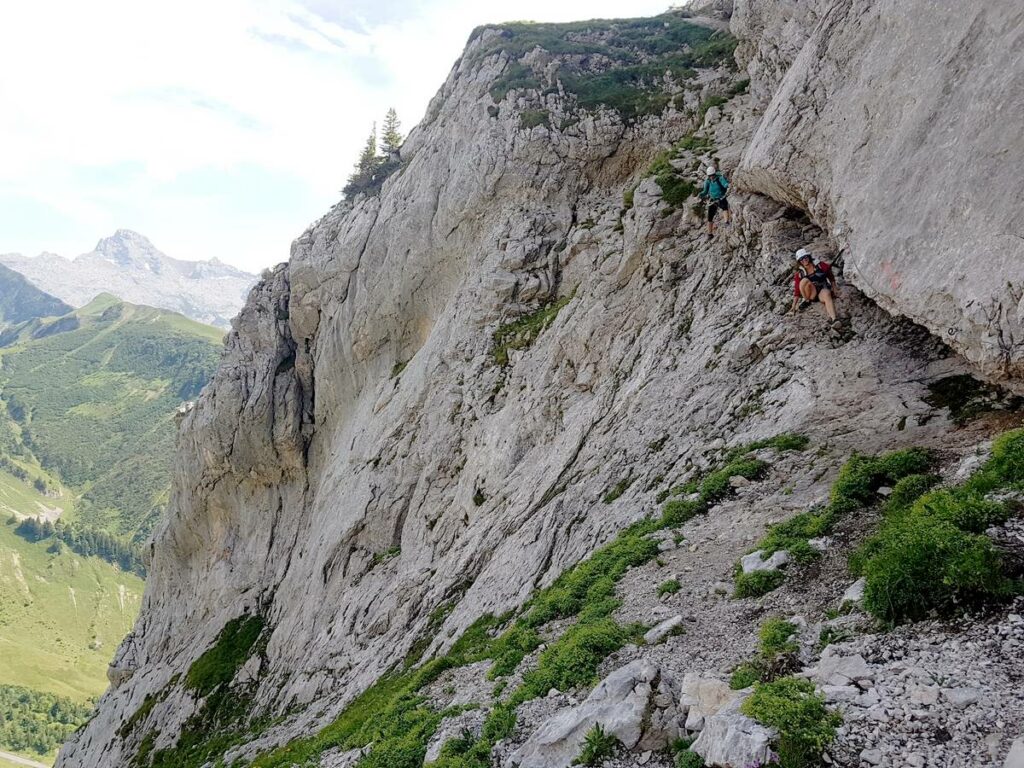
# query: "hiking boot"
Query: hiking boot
804,305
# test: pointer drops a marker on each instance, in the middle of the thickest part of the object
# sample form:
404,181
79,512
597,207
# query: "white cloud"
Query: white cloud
215,128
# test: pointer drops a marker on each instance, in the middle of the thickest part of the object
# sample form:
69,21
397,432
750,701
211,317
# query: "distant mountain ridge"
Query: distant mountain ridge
21,301
129,266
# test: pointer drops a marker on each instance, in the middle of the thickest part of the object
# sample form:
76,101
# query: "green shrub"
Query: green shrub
805,725
675,189
627,198
597,746
694,143
917,564
740,86
908,490
745,675
221,663
1005,467
511,648
792,535
531,118
965,510
516,76
464,751
777,637
689,759
500,723
669,587
573,659
593,580
787,441
774,658
684,756
716,486
857,485
678,511
862,476
928,557
758,583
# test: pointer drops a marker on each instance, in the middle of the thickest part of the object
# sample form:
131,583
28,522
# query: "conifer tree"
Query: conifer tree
369,159
366,166
391,138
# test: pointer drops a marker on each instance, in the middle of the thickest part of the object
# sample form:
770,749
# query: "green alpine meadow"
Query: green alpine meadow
87,427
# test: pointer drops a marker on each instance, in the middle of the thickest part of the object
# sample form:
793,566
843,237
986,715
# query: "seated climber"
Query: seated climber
715,192
814,282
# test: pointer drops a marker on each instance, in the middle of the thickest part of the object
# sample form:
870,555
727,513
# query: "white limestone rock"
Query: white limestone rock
756,561
623,704
658,633
730,738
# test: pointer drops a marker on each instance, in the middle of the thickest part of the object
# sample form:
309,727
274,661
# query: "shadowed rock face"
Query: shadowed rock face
362,459
897,126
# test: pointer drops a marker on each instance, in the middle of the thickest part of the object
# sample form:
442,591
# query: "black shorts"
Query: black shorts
715,205
818,288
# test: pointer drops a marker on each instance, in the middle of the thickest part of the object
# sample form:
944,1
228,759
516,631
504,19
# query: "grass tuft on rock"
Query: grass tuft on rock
669,587
805,725
757,583
776,655
597,746
221,663
520,334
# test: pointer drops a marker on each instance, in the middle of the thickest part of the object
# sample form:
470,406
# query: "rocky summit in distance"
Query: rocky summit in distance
514,464
130,267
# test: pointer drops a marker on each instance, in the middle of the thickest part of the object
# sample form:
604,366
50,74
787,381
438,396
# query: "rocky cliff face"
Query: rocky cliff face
889,123
458,388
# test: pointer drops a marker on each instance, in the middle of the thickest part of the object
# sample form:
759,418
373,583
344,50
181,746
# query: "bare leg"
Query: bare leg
830,306
807,290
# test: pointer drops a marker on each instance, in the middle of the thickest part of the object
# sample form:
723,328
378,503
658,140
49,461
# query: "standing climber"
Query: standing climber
814,281
715,193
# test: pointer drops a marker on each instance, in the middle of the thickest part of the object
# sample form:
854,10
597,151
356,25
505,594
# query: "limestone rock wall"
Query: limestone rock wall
361,459
898,126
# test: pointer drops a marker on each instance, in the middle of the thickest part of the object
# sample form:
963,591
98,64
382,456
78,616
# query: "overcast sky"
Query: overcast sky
214,127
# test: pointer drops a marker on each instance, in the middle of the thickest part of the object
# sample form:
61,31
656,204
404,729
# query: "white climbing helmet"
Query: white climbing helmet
802,253
711,170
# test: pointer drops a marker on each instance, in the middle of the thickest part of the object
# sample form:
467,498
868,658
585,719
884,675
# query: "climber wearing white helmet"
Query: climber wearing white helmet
715,191
814,282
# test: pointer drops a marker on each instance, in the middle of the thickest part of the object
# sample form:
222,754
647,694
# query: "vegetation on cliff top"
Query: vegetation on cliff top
632,66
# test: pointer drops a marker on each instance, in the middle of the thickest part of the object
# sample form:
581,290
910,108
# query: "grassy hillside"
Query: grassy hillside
90,398
21,301
61,615
87,403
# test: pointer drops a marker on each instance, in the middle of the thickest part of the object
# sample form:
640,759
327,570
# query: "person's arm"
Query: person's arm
703,190
832,281
725,181
796,291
